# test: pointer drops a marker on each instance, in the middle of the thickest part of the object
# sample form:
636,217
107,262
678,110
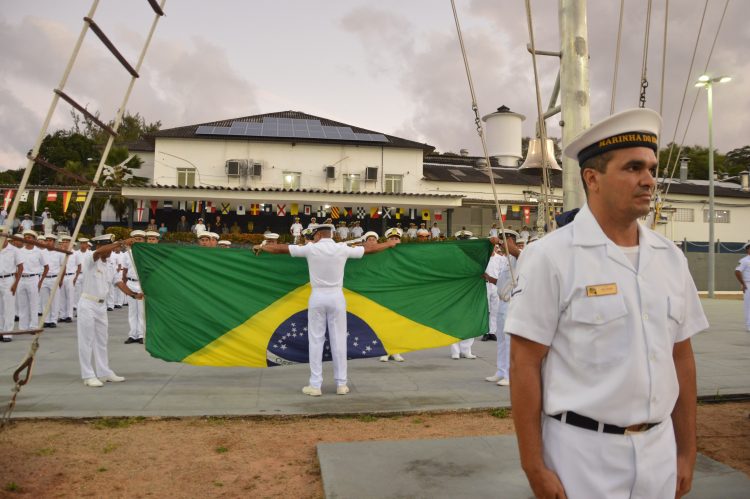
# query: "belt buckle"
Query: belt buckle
636,428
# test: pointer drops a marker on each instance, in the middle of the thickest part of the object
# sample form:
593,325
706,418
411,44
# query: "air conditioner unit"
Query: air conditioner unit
371,173
330,172
234,167
256,169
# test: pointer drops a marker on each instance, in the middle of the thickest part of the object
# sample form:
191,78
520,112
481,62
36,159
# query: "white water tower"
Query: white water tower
503,132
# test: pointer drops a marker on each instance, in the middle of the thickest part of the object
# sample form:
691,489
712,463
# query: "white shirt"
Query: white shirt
435,232
70,267
494,232
326,260
53,259
199,228
343,232
411,233
610,329
127,264
27,224
45,215
9,260
48,224
80,255
744,268
32,259
524,234
357,231
98,276
296,229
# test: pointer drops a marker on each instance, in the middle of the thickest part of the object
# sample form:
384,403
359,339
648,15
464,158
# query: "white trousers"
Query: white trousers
67,297
596,465
77,290
503,342
462,347
119,297
747,308
92,339
27,302
7,304
493,302
327,307
136,313
44,294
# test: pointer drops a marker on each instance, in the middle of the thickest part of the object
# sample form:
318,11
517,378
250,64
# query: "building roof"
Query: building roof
700,188
190,132
451,168
140,145
310,191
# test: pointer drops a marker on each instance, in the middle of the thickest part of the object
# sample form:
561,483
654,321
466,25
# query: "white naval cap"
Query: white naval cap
137,233
508,233
152,233
746,246
202,234
423,232
270,236
29,232
51,236
394,231
371,233
41,237
83,240
65,238
464,234
224,242
104,238
317,227
630,128
213,235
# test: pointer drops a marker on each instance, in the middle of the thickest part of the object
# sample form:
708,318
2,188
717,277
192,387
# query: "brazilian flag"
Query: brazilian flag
228,307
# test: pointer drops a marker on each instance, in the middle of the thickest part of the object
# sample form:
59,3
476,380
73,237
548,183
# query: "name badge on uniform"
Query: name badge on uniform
601,289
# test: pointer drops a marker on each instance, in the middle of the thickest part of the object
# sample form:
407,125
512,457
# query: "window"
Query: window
394,184
720,216
684,215
351,182
186,177
292,180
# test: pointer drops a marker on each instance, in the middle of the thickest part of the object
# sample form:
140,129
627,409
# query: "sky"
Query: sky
393,66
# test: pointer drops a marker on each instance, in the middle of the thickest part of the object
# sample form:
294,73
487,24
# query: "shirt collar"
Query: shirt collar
587,232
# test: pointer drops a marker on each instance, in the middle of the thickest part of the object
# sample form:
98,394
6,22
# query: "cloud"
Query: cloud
181,83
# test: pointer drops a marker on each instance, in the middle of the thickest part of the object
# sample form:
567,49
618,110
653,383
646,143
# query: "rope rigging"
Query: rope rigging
644,59
617,60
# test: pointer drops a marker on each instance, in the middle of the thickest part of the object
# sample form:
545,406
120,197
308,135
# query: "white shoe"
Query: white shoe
503,382
112,378
342,390
493,379
397,357
470,356
455,356
312,391
384,358
92,382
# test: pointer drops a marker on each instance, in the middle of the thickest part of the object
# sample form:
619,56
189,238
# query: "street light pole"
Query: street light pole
707,82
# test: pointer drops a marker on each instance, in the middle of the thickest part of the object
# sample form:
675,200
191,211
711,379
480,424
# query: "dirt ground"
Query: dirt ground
250,457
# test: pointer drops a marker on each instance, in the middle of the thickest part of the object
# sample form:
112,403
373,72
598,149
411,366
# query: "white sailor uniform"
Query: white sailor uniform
611,324
503,288
53,260
136,308
79,281
744,269
326,260
92,321
27,294
67,290
9,262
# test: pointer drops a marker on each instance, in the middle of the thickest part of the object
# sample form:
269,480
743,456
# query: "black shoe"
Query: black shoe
492,337
118,306
140,340
6,339
67,319
109,309
125,304
50,324
130,340
485,337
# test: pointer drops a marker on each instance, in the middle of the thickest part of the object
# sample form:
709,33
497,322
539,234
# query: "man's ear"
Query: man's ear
590,177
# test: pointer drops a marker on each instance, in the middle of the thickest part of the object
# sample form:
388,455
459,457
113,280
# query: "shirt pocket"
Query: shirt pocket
676,312
599,335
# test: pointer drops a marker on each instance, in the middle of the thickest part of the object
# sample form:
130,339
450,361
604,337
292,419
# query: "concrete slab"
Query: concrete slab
428,380
474,467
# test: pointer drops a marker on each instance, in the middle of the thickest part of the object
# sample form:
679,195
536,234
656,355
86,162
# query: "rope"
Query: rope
644,63
541,125
617,60
480,132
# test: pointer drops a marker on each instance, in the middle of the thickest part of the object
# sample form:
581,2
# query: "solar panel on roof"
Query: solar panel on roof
289,128
205,130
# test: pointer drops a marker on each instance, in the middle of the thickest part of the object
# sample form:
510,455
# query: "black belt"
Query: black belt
587,423
134,280
48,276
29,275
70,273
6,275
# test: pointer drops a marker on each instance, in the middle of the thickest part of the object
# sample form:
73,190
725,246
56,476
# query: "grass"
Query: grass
367,418
501,413
109,448
112,423
218,484
417,421
12,487
45,451
221,449
102,469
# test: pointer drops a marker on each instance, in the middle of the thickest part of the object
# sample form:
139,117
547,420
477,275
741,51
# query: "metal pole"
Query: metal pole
574,92
711,212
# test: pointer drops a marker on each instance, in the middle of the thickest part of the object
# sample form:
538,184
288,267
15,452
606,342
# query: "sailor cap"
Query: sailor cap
224,242
746,246
318,227
137,233
152,233
51,236
508,233
630,128
464,234
202,234
83,240
214,235
423,232
394,231
29,232
370,233
270,236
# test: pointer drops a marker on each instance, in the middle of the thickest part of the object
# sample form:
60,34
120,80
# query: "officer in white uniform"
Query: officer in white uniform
742,272
296,231
53,260
604,390
435,231
492,299
356,230
11,269
411,232
67,291
27,294
136,309
92,321
393,234
84,246
343,231
326,260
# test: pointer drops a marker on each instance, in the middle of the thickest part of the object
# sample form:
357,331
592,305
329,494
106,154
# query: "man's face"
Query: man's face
371,239
152,240
139,239
212,243
182,218
423,237
395,238
29,241
204,241
625,189
85,247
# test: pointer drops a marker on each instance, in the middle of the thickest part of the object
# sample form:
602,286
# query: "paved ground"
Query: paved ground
474,467
428,380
